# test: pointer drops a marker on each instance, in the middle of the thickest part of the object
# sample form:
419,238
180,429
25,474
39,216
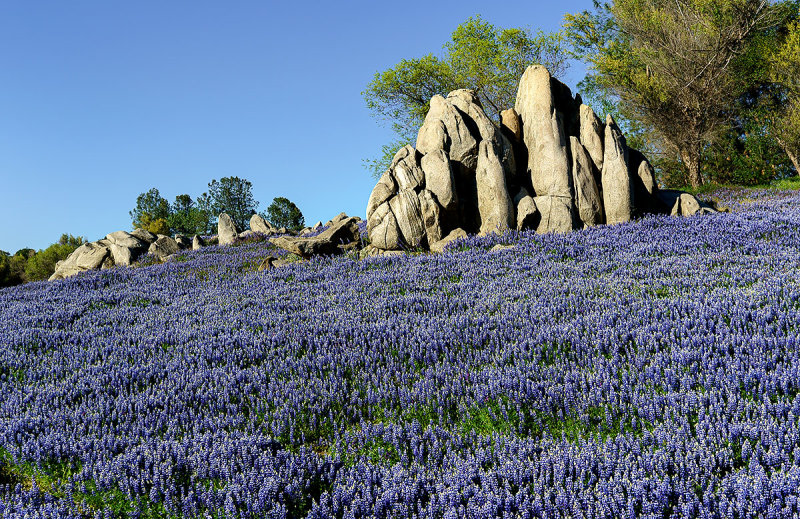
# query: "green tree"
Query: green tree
480,56
674,66
186,218
234,196
786,73
282,212
151,212
41,265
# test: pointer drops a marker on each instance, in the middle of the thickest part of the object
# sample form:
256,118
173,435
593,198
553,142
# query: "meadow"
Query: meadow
648,369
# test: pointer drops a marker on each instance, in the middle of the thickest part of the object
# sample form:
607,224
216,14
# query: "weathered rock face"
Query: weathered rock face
226,230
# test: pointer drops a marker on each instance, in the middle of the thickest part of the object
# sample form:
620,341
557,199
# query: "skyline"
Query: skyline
103,103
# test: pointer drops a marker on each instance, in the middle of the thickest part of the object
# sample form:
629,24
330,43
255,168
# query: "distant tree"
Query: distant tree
151,212
282,212
186,218
5,266
480,56
41,265
234,196
675,67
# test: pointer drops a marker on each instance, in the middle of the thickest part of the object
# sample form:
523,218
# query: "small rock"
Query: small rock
500,247
454,235
198,242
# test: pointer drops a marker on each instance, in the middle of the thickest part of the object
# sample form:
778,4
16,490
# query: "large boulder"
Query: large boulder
258,224
143,235
89,256
617,196
128,240
327,242
226,230
164,246
587,195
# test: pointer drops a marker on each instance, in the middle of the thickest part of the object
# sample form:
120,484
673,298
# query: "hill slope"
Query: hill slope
649,369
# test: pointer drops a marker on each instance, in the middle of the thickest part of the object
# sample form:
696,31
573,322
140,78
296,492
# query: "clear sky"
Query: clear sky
100,101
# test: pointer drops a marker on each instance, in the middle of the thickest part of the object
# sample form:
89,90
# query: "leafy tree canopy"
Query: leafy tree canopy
234,196
480,56
674,67
151,212
282,212
188,219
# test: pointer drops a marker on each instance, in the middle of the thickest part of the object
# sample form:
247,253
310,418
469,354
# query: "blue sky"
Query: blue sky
100,101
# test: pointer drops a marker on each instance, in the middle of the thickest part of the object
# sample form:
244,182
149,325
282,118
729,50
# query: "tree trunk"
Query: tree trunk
691,159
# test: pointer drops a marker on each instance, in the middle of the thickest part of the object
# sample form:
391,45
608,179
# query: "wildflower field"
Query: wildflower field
649,369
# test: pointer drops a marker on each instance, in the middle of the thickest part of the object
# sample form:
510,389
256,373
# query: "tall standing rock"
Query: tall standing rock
543,134
587,195
592,135
226,230
617,196
494,204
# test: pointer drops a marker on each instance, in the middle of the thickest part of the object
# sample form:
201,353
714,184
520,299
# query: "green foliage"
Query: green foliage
675,68
786,73
188,219
231,195
5,266
42,265
282,212
479,56
150,208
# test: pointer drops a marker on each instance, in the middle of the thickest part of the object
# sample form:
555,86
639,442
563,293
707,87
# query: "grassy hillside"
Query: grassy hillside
649,369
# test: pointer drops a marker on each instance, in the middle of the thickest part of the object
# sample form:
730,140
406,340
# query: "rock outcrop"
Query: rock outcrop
340,233
550,165
119,248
